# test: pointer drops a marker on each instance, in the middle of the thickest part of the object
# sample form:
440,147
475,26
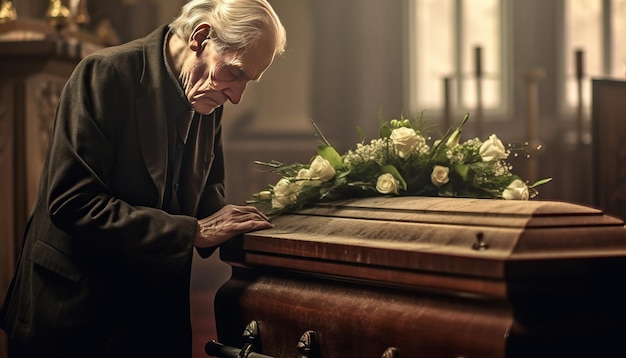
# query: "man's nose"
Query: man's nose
235,91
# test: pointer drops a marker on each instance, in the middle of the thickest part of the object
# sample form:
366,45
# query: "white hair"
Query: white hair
236,25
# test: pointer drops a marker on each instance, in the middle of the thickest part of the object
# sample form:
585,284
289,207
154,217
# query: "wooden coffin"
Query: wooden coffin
429,277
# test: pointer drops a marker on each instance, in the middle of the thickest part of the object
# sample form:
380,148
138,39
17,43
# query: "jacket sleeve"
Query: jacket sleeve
91,110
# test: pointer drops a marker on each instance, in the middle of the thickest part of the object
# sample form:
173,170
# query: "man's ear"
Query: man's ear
199,37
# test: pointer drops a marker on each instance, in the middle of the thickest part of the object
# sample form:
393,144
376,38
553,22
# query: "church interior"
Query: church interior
559,97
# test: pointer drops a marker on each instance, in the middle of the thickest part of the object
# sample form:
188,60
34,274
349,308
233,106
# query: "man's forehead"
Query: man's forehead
252,64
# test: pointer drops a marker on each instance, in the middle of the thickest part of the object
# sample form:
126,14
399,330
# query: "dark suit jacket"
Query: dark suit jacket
104,267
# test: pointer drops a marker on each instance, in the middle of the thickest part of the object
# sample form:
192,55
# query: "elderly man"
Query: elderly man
133,181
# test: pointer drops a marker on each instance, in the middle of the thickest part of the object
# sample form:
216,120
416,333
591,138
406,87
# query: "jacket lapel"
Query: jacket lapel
152,133
152,113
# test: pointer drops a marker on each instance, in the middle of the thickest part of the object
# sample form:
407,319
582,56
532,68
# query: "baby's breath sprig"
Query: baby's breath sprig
523,148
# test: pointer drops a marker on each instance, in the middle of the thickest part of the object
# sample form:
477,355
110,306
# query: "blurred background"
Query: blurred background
523,69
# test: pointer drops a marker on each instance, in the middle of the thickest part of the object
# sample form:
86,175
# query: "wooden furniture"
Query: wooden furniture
427,277
609,145
32,75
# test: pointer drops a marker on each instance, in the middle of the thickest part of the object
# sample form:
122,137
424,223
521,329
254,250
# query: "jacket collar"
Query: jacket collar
161,102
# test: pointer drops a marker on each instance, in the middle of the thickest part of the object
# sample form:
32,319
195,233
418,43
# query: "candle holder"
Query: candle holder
58,15
7,11
81,18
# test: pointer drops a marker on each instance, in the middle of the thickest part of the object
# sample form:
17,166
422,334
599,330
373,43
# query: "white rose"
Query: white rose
517,190
439,176
304,177
265,195
321,169
387,184
404,140
492,149
285,193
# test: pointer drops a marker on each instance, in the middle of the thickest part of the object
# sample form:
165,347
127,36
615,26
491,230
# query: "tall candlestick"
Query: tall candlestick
532,80
478,72
478,65
447,106
533,76
580,73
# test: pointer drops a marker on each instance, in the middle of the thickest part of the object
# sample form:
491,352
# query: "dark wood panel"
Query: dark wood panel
7,193
609,143
33,73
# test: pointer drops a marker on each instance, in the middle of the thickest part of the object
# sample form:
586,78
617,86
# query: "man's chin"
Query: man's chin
206,110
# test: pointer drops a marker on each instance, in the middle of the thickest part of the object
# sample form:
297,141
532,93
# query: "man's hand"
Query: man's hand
228,222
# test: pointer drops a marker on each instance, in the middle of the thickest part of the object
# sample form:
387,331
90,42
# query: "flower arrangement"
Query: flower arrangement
400,162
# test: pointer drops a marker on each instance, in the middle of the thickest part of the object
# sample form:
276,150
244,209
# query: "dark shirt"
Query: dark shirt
179,131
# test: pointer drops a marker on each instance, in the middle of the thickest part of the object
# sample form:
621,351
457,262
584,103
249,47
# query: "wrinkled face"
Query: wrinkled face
210,79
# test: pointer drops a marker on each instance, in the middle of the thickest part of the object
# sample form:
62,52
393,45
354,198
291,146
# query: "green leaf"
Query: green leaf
390,169
540,182
361,133
329,153
319,132
464,171
465,118
342,174
385,131
447,190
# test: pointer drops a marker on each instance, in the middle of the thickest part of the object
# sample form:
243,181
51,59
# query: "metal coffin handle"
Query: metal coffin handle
250,335
216,349
307,346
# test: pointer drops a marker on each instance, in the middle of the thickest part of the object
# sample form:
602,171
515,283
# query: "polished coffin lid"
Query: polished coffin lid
432,277
480,246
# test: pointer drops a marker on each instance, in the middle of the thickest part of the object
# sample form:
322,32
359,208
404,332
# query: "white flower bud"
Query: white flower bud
453,140
517,190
